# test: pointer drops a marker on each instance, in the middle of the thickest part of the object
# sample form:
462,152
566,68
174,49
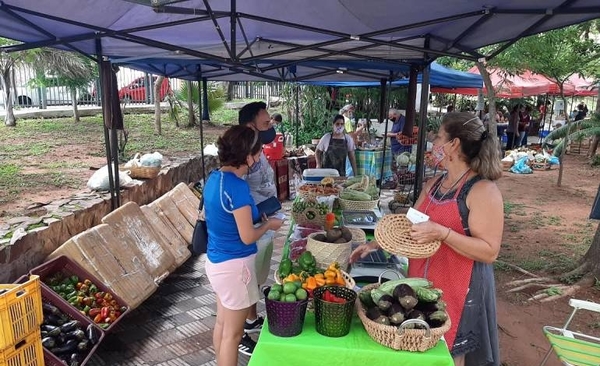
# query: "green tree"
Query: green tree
70,69
7,62
185,101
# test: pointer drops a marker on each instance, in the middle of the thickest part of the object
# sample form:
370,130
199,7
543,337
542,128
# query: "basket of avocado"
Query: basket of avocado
286,308
334,245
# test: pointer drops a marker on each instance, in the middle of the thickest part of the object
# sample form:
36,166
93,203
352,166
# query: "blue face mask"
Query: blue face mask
268,136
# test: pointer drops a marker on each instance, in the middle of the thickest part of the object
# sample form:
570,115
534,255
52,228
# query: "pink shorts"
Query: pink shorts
234,282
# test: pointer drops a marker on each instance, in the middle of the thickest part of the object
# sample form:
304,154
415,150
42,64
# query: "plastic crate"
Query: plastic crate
27,352
20,311
48,296
69,268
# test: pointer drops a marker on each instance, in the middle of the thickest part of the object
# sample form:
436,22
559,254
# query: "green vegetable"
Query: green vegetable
388,287
307,261
365,298
353,195
437,319
427,295
285,268
376,294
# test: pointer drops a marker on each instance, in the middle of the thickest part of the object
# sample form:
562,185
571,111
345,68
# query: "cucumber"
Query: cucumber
427,295
388,287
366,299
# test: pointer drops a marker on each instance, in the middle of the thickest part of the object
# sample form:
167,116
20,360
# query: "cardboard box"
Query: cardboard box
282,180
100,252
176,244
129,224
166,207
186,201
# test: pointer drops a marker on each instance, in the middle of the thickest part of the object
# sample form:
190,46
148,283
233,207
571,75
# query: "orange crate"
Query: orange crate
20,311
28,352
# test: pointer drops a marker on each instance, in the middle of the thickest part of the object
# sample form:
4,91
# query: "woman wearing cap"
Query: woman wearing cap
465,208
230,212
335,147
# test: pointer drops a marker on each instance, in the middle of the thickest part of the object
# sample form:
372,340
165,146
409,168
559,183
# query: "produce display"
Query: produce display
360,188
307,207
304,273
394,302
85,296
288,292
319,189
338,235
406,158
67,339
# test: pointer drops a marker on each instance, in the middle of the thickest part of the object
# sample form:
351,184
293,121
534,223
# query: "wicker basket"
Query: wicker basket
327,253
141,172
358,205
309,216
393,234
358,236
398,338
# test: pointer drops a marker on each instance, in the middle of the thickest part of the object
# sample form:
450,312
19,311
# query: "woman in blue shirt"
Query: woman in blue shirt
230,212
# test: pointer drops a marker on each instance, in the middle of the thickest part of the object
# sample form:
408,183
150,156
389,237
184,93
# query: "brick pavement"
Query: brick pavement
174,326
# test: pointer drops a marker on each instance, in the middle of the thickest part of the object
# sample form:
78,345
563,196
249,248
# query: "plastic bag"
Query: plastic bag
99,180
211,150
133,163
553,160
154,159
521,167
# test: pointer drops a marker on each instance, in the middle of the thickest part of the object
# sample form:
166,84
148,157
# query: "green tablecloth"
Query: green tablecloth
355,349
369,163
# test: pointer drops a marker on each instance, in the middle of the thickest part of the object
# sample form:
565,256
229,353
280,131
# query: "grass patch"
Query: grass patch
224,116
513,208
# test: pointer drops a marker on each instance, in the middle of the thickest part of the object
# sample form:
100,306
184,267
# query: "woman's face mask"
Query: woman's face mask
438,154
339,129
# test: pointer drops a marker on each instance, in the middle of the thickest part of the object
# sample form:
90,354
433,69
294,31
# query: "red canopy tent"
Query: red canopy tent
525,85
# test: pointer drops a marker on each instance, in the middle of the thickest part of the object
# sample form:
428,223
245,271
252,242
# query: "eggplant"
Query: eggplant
68,347
49,342
83,345
51,329
44,334
77,334
61,339
54,320
70,326
93,334
50,309
74,360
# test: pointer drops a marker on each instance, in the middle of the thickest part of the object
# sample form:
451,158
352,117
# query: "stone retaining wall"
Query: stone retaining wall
58,221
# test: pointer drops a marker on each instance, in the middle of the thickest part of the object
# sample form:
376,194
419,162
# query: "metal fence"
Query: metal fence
134,87
256,90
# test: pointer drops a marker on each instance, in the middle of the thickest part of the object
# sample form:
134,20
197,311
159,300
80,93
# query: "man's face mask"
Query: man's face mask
268,136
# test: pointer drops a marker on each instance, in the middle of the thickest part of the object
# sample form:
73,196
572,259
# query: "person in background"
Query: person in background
261,179
450,108
277,123
466,213
231,255
512,131
395,116
580,113
335,147
348,112
524,121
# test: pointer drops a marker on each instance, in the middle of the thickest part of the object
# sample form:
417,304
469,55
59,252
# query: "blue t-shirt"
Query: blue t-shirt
397,127
224,193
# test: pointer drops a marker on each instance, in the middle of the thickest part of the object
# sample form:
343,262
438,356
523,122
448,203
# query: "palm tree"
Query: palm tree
574,131
189,93
70,69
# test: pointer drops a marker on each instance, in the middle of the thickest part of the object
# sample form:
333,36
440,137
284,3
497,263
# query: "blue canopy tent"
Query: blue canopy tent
439,76
287,40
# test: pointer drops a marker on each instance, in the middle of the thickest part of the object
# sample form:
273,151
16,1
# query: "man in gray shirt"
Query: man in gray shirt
261,180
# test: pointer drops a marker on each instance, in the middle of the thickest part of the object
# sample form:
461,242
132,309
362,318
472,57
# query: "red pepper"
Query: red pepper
99,295
98,319
93,312
104,312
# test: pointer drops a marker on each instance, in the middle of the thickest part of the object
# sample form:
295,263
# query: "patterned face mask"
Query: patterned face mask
339,129
438,154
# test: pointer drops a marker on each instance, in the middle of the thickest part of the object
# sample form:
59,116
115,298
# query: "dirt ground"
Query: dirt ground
546,232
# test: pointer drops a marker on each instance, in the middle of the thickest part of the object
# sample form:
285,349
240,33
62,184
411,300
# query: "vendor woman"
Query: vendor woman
466,213
335,147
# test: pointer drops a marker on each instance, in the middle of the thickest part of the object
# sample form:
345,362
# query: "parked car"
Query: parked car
56,94
136,90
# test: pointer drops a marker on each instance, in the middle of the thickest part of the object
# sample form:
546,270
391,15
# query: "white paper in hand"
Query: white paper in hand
280,216
415,216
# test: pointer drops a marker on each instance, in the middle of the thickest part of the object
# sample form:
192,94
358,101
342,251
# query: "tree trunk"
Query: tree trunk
74,103
157,111
190,104
9,118
596,139
230,91
566,139
592,256
491,94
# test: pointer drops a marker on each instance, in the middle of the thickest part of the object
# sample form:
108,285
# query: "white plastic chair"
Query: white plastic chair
574,348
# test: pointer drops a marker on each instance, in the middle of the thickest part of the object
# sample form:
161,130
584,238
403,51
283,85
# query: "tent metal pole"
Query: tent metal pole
115,159
386,98
103,99
297,108
421,145
233,31
200,105
205,109
411,106
218,28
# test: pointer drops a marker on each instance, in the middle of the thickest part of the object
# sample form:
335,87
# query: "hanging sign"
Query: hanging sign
480,100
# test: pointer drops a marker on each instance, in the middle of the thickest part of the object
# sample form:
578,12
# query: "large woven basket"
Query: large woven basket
327,253
142,172
309,216
393,234
397,338
358,236
358,205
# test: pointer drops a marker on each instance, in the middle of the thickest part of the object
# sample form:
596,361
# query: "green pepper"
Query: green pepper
72,294
74,280
93,289
86,310
307,261
70,288
285,267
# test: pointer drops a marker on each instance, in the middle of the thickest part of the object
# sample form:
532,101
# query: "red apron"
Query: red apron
447,269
